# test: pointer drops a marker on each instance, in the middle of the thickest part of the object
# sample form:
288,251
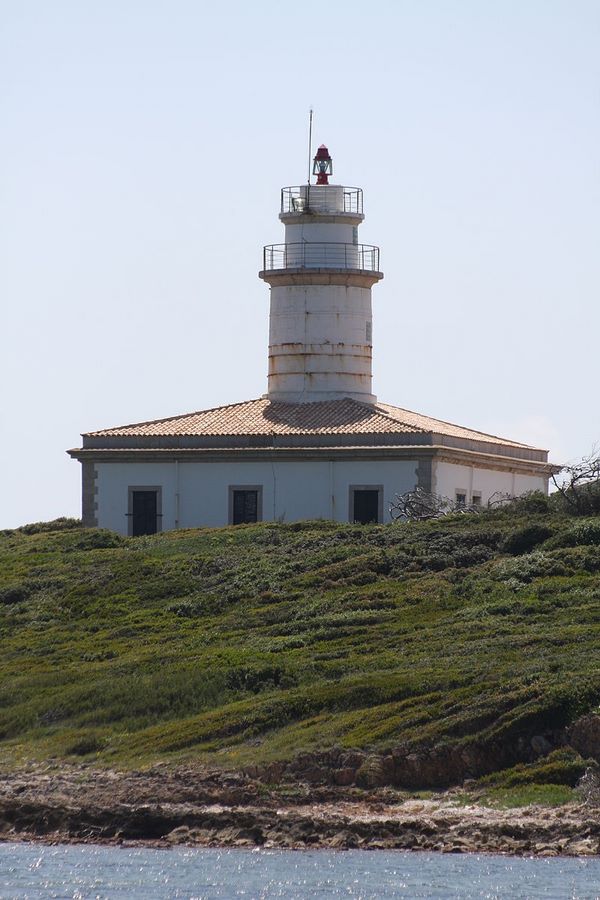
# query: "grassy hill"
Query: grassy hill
247,645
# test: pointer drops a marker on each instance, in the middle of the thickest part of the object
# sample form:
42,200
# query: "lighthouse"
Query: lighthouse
318,444
321,320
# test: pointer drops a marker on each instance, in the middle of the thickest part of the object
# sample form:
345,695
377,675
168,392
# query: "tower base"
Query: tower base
317,396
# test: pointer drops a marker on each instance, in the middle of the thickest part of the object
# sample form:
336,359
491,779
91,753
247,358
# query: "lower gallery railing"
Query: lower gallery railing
321,256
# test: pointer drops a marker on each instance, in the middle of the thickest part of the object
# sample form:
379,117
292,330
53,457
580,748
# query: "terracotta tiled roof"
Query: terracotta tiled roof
438,426
263,417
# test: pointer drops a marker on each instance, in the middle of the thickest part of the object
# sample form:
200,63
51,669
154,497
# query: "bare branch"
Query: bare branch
579,484
419,505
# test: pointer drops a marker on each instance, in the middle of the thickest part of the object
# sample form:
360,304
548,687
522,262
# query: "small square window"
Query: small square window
245,504
476,500
461,498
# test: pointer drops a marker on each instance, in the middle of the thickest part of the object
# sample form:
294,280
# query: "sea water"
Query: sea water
82,872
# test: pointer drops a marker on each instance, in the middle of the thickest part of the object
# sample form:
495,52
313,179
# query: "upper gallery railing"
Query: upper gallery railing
322,199
321,256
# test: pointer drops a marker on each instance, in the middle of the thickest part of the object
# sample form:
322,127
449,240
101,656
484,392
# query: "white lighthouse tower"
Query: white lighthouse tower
320,326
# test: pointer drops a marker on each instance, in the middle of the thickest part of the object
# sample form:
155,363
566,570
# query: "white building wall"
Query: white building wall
197,494
113,481
449,478
395,477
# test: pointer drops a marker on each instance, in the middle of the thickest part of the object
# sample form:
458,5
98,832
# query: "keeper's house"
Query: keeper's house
318,444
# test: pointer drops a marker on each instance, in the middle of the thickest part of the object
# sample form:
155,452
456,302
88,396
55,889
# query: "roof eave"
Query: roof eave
208,454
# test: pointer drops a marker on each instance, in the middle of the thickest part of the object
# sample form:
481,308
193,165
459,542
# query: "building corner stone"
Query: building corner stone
424,474
89,490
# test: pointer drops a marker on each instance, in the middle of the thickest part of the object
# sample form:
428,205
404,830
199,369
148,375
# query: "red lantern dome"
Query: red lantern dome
323,165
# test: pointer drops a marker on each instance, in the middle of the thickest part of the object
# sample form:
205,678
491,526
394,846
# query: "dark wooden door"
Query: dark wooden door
366,507
245,507
144,512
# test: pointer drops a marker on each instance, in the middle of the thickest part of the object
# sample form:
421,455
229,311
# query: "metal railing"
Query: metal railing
322,200
321,256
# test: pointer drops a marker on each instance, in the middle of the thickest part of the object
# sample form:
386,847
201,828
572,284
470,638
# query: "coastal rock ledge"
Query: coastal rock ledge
193,806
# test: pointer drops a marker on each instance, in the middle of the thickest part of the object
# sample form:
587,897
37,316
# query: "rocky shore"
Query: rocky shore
189,805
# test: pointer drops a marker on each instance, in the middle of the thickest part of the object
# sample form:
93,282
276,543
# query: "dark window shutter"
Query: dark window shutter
245,507
366,506
144,511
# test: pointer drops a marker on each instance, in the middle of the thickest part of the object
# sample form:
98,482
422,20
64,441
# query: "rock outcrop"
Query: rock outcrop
428,767
584,736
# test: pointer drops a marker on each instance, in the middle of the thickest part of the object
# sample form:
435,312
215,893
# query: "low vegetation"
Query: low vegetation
253,644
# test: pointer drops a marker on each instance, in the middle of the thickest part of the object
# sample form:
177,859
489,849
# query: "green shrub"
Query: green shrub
86,744
255,680
524,540
563,766
97,539
197,606
532,502
14,593
60,524
533,565
584,534
583,500
528,795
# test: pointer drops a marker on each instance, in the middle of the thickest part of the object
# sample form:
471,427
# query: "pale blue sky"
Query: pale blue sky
142,149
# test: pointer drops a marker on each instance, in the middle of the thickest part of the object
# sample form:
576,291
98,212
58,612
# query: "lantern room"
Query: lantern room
322,165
